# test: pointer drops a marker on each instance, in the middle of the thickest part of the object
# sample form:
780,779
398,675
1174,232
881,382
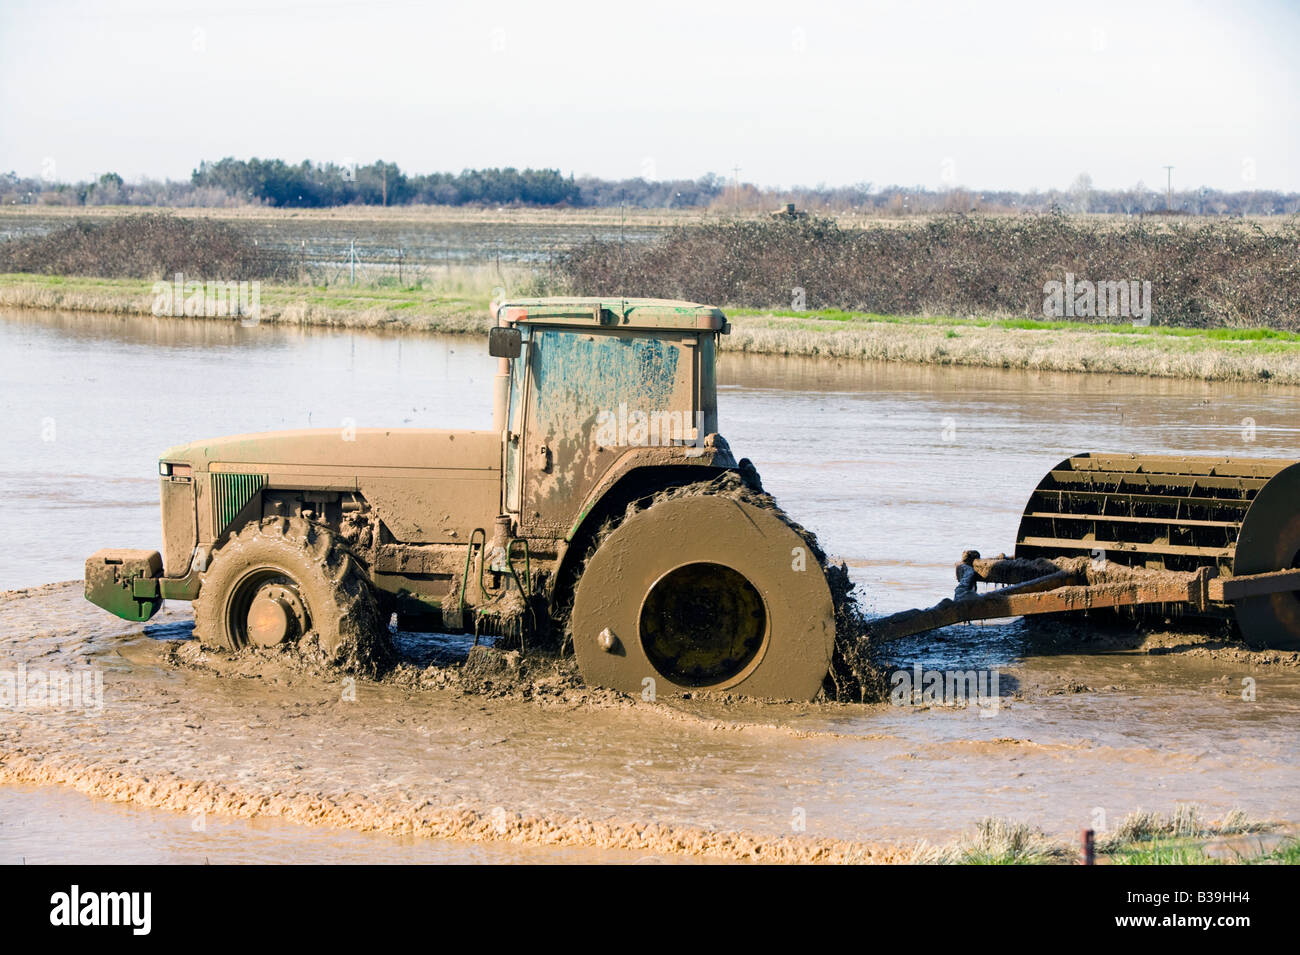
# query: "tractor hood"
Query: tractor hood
337,451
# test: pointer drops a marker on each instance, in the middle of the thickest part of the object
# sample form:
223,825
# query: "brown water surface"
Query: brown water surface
897,468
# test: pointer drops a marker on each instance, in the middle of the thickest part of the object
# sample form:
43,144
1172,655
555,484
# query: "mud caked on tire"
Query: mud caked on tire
285,580
705,591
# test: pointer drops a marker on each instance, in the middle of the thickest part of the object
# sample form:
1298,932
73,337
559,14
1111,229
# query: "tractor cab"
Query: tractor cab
585,382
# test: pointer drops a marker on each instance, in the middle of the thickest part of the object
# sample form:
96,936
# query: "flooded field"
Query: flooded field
897,468
379,242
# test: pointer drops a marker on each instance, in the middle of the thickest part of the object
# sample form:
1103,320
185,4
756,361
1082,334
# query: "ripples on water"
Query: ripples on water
897,468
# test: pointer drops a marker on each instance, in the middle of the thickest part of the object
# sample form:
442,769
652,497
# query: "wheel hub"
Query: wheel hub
274,616
702,624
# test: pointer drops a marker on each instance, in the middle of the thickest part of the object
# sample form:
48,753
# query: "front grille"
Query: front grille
230,493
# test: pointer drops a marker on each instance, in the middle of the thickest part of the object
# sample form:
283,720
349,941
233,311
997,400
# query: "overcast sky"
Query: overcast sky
1015,95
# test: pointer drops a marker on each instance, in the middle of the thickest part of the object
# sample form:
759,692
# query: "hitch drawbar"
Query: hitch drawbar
1070,584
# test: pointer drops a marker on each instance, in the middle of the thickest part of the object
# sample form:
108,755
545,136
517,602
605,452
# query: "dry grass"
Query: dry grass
460,306
1218,274
1185,822
1150,837
994,841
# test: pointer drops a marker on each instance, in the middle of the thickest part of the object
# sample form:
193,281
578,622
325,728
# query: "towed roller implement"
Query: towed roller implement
1212,537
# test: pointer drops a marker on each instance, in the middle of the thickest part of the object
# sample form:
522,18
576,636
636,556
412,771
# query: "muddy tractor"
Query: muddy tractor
603,514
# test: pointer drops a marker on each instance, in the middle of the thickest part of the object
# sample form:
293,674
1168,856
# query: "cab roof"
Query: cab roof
612,312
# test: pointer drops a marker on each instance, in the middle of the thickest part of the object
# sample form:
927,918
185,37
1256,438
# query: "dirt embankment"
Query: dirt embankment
915,342
1034,349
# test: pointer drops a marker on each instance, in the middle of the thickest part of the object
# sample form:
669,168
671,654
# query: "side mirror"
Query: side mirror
504,342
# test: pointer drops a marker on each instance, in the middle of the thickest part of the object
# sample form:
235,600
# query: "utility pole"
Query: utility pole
735,173
1169,188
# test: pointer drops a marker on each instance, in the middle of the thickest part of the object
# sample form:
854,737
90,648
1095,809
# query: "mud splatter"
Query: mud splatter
855,674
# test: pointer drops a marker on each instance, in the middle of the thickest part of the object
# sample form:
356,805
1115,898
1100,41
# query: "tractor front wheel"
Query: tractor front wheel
284,580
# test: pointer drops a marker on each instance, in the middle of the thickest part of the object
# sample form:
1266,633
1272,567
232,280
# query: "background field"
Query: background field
934,290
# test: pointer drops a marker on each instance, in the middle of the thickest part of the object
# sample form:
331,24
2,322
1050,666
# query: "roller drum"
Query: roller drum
1238,515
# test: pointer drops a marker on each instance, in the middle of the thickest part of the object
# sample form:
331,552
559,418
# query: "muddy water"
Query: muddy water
91,402
49,825
896,468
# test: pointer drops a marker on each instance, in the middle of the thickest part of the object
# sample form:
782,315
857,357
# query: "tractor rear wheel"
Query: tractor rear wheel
704,592
284,580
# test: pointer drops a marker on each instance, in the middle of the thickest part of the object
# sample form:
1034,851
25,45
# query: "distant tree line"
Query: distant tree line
274,182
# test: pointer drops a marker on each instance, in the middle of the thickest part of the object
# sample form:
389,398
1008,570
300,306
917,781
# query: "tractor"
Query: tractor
602,513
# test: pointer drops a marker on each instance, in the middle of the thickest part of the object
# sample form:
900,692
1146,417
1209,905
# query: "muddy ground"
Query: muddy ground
521,758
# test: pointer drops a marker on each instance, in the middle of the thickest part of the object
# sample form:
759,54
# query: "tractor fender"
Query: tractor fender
639,472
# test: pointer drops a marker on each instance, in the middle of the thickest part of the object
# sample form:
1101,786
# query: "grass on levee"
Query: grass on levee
1025,324
455,300
1141,838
